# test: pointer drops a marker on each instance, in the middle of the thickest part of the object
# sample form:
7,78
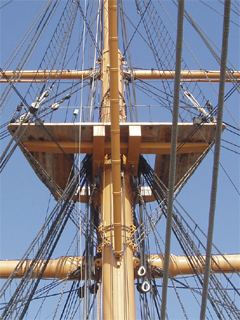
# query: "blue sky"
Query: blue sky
25,200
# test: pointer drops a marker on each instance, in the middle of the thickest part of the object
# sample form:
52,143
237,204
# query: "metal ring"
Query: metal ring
145,287
141,271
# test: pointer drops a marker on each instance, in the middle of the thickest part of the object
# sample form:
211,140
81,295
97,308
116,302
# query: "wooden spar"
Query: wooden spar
115,130
186,75
117,267
56,268
87,147
44,75
180,265
104,74
67,267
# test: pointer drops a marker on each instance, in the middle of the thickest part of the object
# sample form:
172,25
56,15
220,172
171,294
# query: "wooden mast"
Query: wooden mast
117,265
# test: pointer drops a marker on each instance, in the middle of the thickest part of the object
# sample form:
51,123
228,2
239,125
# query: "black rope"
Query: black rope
11,83
89,29
136,28
184,240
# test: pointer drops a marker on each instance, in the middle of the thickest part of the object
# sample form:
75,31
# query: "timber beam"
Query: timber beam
186,75
98,147
134,146
135,139
69,147
73,268
53,144
115,127
45,75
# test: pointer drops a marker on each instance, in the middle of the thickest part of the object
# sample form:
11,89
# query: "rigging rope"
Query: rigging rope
125,49
48,244
58,218
216,155
6,4
190,248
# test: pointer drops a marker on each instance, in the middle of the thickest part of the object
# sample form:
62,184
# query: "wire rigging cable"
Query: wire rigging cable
56,222
212,8
172,168
216,155
189,248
